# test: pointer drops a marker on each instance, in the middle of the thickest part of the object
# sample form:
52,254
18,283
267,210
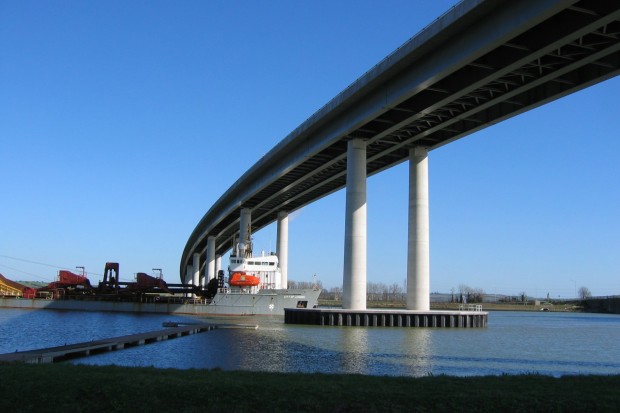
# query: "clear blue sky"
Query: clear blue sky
122,122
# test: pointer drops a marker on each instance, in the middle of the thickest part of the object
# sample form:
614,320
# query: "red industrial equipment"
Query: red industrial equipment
110,277
15,289
147,283
68,278
68,283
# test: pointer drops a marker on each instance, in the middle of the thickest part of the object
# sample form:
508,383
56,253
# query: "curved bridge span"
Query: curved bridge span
481,62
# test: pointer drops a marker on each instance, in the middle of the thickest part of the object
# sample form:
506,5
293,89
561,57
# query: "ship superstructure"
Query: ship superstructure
253,273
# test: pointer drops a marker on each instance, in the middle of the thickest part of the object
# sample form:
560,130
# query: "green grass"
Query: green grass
74,388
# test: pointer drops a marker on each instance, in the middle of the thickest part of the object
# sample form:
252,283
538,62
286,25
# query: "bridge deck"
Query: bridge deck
477,65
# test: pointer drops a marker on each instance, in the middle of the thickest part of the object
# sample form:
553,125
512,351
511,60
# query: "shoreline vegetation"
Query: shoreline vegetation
570,306
610,305
81,388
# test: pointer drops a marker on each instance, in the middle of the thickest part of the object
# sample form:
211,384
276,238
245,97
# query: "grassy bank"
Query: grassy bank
563,307
569,307
68,388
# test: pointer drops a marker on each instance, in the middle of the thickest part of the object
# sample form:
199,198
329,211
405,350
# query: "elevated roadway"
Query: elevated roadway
481,62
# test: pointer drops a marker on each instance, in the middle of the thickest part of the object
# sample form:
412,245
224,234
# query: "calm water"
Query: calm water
514,342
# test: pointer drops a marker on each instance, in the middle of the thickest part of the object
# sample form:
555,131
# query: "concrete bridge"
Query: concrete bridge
481,62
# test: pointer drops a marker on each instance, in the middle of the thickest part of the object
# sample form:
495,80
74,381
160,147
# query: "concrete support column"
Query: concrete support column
282,247
210,269
418,253
245,224
218,264
196,267
354,274
189,274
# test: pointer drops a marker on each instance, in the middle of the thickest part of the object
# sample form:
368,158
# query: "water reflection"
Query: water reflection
554,344
354,346
418,344
264,350
31,329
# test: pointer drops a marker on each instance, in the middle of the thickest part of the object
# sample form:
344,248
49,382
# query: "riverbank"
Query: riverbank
560,307
76,388
570,306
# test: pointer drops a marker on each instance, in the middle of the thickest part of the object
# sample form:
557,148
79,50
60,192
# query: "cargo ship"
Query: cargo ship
253,287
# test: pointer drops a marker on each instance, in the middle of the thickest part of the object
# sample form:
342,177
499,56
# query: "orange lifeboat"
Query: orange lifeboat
241,279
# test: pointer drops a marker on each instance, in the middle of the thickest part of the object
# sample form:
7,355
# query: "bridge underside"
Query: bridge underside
476,66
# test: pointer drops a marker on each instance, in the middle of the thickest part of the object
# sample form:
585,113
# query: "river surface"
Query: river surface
553,344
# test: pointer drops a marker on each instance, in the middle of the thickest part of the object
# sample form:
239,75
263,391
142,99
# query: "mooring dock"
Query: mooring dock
61,353
387,318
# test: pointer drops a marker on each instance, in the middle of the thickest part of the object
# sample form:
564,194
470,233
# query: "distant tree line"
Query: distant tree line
382,292
33,284
466,294
396,293
584,293
374,292
305,284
